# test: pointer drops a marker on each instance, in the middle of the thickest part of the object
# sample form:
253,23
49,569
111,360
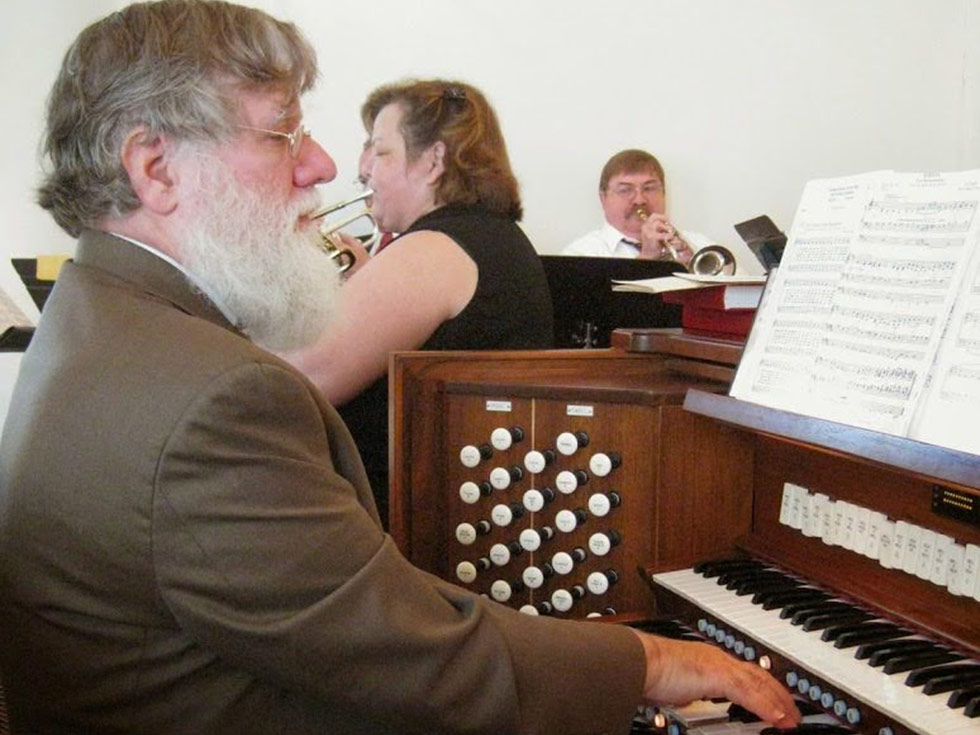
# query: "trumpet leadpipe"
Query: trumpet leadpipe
337,206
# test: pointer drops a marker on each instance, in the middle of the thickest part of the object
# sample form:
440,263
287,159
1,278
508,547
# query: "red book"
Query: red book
734,296
735,322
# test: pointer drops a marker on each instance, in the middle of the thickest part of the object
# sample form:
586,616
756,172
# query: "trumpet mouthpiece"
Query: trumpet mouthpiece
641,212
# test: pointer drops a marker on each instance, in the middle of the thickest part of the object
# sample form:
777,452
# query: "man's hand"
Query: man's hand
660,241
679,672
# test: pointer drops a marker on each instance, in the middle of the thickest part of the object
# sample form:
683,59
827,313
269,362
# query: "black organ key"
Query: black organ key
962,697
860,637
951,682
825,620
771,600
738,713
880,652
754,586
925,675
798,612
714,568
972,708
732,579
809,728
920,661
847,635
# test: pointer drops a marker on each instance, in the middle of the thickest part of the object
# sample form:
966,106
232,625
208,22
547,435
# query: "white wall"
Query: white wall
742,101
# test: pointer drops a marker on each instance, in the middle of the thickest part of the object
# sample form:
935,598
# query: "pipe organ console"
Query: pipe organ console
845,561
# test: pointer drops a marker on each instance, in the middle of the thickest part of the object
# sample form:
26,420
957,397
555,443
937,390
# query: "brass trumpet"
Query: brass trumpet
712,260
332,245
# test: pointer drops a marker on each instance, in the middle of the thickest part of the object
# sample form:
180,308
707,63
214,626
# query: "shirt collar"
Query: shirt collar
611,237
196,282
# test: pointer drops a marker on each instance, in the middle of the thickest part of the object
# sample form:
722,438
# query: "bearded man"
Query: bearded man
188,543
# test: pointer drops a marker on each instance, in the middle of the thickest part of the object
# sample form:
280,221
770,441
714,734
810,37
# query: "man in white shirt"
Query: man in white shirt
632,191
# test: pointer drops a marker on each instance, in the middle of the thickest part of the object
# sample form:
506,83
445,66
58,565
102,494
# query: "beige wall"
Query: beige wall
742,100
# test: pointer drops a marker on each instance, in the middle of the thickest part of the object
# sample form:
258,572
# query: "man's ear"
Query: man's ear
149,162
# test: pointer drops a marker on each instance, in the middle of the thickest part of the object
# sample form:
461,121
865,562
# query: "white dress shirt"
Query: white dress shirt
608,242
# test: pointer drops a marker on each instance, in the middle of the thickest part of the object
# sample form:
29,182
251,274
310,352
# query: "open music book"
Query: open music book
873,317
685,282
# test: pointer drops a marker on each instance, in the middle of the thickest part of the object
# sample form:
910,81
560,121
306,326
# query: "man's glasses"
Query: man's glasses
628,191
295,138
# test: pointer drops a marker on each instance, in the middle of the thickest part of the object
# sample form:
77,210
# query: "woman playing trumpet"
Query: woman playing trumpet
461,275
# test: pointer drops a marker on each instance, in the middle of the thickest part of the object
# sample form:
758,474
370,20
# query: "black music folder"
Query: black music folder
587,310
764,239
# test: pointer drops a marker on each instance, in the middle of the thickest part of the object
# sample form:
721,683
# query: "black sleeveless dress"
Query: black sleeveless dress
510,310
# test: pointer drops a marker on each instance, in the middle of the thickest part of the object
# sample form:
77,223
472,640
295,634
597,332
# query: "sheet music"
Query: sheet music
851,327
952,397
16,306
10,314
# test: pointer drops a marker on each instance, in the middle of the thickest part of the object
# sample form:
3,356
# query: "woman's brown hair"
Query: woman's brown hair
477,169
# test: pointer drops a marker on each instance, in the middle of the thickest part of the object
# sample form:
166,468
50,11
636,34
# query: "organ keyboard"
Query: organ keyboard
846,685
860,544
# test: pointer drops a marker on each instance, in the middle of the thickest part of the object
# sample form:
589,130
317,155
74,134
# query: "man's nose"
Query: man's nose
314,165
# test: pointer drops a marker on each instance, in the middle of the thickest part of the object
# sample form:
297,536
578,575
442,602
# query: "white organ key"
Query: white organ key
927,550
827,520
884,692
939,574
886,544
785,508
849,531
913,539
954,581
899,542
801,509
862,530
837,523
817,504
876,522
970,583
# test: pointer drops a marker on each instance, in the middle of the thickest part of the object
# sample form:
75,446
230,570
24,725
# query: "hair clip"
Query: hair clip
457,94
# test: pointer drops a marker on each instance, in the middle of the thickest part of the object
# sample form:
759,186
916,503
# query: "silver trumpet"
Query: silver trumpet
331,243
712,260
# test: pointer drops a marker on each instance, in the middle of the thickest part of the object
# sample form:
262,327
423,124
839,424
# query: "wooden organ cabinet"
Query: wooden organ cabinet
846,561
545,479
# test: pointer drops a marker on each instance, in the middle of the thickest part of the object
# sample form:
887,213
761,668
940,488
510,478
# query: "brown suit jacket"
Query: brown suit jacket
189,545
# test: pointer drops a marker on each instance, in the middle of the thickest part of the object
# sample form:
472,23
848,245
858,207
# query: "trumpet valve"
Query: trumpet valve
336,250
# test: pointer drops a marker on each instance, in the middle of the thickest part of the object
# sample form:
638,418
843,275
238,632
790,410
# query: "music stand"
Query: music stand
765,240
586,308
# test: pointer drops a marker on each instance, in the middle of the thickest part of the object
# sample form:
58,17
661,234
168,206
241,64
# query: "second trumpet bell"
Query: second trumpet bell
332,244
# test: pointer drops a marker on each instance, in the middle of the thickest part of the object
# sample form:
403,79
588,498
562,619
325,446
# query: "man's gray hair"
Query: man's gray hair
171,68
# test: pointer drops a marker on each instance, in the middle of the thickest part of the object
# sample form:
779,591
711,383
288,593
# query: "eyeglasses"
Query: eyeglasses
295,138
628,191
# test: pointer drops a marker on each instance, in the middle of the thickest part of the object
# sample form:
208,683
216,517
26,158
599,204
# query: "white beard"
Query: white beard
280,287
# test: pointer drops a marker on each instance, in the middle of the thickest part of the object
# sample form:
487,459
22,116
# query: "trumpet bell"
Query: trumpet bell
331,243
713,260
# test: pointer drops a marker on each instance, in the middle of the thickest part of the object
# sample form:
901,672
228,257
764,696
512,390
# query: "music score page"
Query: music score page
873,317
